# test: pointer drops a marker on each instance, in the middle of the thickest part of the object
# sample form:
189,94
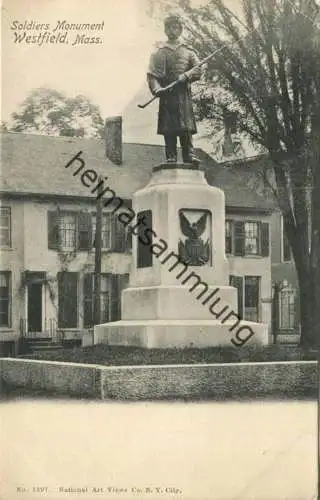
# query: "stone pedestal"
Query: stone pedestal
179,293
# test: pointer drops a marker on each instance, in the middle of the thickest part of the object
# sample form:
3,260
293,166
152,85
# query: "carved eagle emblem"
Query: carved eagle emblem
194,251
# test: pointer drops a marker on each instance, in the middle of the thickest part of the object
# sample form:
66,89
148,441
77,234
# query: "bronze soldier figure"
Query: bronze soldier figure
173,61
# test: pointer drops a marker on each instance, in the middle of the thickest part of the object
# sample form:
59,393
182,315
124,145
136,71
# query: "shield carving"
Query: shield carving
195,242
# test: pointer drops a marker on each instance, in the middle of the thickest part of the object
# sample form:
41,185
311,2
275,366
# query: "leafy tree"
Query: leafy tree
3,126
268,72
47,111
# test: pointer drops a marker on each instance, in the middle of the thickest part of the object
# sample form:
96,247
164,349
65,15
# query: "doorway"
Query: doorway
34,307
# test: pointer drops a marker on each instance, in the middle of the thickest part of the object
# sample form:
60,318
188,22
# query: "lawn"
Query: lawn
103,354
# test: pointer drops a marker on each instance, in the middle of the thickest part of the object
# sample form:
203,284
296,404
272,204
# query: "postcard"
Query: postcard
159,239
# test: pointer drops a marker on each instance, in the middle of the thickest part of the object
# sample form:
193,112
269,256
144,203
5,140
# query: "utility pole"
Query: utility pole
97,263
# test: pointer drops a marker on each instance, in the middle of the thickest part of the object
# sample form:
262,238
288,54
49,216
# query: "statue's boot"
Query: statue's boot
171,148
188,154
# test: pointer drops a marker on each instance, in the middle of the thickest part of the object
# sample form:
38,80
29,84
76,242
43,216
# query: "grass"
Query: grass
103,354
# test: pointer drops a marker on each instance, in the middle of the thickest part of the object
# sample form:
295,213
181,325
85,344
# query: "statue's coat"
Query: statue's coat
175,107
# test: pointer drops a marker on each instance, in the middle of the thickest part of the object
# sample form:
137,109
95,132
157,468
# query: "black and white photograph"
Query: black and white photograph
160,250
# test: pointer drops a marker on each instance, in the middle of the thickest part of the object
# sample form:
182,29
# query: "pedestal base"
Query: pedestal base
180,333
176,302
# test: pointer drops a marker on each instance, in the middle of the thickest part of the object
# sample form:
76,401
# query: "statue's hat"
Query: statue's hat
172,18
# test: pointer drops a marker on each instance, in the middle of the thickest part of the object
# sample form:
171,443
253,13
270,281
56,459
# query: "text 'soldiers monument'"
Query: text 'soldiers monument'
180,247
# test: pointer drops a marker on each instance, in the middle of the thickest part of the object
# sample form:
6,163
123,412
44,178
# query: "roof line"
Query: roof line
16,194
49,196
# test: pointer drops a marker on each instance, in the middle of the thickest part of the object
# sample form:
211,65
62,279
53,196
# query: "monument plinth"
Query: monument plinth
179,293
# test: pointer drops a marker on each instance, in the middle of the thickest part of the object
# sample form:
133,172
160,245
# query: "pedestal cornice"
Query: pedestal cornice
175,166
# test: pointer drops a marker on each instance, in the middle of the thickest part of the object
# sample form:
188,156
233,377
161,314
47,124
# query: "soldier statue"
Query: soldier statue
173,61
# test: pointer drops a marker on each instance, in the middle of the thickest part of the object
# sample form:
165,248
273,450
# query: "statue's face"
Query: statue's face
173,31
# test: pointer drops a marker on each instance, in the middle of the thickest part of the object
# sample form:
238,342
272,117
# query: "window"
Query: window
287,308
67,300
247,238
69,230
110,297
228,236
5,227
248,296
251,230
106,231
88,297
76,231
5,299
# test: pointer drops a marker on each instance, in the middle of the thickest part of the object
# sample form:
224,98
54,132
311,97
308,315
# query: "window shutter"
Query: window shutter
228,236
118,235
53,230
88,300
264,239
239,238
237,282
128,239
84,231
67,299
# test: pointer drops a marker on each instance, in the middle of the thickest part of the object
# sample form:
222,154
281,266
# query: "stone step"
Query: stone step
37,339
45,347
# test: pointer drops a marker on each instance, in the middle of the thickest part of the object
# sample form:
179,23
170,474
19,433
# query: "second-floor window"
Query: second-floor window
5,227
68,231
245,238
76,231
106,230
251,238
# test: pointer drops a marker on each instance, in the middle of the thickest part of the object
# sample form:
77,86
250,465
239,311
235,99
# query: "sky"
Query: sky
109,73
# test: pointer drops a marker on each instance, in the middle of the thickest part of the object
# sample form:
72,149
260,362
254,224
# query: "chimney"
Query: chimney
113,137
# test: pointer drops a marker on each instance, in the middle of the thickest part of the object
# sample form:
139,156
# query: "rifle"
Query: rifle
173,84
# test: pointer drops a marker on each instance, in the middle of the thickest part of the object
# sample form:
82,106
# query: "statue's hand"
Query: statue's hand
158,92
182,78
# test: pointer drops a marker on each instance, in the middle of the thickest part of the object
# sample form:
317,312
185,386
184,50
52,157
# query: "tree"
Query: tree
3,126
268,72
47,111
